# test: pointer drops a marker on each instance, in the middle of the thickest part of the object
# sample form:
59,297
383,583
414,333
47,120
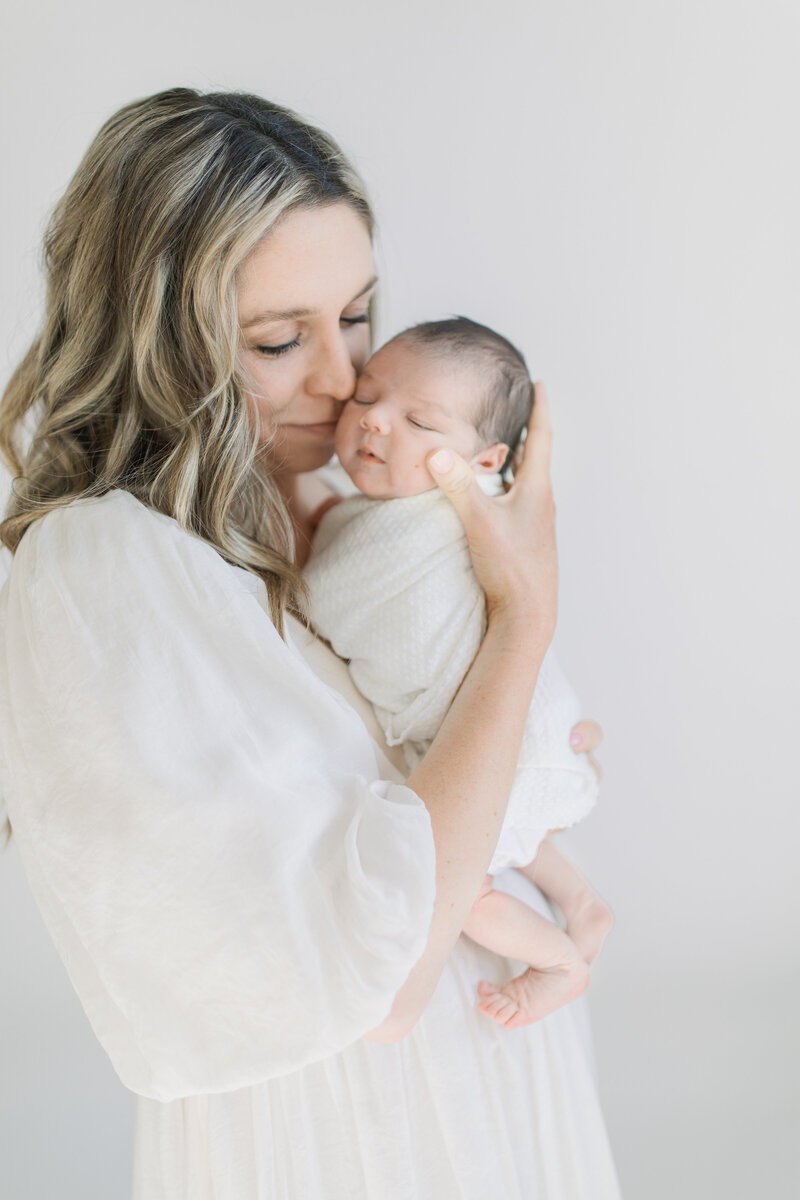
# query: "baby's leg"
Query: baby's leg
558,973
588,918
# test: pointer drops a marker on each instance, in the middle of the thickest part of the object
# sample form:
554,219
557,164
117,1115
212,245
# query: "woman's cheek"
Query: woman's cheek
359,347
274,386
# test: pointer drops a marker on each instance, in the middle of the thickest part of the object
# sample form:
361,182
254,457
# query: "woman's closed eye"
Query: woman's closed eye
285,347
277,351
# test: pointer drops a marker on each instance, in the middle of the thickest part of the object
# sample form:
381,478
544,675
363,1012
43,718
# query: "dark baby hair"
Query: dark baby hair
505,405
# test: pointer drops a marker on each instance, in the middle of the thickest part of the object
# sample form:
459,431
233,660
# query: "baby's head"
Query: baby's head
447,383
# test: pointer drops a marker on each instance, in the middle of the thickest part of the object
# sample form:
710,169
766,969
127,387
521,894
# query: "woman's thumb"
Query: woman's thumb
454,477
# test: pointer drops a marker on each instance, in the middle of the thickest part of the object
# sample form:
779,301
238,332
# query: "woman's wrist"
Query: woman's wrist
520,626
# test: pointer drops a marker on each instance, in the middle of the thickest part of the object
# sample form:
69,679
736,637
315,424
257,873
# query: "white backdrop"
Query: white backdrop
615,187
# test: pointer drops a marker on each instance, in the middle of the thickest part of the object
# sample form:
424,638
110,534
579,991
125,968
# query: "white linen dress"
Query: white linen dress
238,883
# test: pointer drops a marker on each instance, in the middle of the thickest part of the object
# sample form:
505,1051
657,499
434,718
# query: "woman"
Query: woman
254,909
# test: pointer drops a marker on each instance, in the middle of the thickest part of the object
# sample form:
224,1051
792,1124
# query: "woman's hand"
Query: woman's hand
585,737
465,778
512,537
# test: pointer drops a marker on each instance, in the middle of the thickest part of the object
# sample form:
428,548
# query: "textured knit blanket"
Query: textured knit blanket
394,592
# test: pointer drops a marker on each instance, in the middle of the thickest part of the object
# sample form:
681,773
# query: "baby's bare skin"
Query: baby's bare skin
405,406
560,961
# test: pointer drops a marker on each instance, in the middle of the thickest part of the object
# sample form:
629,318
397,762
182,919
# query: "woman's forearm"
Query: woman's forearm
465,780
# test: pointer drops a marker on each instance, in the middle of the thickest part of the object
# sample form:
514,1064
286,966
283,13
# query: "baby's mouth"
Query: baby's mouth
367,455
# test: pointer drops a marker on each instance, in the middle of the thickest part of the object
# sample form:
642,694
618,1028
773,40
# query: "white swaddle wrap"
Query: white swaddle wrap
393,591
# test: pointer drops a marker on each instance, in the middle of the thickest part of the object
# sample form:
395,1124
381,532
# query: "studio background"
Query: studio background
614,186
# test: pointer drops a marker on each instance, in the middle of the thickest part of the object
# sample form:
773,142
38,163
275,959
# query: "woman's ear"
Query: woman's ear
490,460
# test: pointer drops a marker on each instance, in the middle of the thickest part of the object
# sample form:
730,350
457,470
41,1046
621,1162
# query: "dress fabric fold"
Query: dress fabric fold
238,882
233,888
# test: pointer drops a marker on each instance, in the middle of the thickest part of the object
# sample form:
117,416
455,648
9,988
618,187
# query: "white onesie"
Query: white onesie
393,591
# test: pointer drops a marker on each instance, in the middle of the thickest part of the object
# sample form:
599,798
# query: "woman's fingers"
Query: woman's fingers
511,537
454,476
534,462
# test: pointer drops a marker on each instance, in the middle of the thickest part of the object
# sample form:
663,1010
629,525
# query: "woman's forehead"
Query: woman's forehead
312,258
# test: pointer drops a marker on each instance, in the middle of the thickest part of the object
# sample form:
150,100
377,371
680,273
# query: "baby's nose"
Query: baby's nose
376,419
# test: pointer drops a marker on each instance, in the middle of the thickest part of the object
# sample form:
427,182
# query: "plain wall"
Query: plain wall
615,187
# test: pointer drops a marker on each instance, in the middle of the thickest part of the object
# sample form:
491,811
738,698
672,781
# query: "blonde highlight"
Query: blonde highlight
134,380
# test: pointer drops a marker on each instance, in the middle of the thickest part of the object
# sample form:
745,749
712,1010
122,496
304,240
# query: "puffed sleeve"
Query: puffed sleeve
233,891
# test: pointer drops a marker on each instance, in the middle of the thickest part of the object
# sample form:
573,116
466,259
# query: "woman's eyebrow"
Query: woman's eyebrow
294,314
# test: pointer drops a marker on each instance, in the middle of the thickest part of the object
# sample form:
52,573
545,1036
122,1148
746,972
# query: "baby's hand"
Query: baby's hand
585,737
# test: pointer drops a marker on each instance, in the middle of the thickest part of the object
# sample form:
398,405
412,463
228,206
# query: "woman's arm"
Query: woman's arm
466,777
235,893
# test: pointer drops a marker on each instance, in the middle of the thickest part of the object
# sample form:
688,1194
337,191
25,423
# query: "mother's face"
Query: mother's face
303,296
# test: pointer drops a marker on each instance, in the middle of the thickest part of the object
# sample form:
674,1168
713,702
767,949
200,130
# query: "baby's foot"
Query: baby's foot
535,993
589,925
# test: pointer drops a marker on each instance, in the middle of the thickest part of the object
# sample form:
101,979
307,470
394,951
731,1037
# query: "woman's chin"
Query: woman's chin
297,460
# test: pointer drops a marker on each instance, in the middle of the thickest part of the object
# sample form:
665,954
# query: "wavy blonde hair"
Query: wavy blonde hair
134,381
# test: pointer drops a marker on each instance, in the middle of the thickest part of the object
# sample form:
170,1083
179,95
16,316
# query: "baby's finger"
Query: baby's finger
585,737
595,765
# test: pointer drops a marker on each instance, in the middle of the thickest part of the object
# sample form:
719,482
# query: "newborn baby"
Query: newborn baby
393,590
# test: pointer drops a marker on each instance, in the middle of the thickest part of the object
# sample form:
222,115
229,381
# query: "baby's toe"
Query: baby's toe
493,1002
500,1008
518,1019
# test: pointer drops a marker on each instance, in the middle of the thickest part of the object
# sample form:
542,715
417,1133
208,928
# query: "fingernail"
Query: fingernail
441,461
575,739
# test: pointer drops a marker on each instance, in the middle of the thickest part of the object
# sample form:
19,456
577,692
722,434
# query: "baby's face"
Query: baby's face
407,404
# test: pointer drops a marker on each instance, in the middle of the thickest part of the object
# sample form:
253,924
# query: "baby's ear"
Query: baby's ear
490,460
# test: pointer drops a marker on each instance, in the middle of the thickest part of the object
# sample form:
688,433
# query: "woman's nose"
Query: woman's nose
334,373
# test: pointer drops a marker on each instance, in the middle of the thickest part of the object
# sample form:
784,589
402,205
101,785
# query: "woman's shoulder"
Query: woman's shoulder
103,544
114,526
102,519
107,575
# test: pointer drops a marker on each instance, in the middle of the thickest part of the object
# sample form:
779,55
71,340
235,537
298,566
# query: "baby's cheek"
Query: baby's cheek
419,478
342,442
